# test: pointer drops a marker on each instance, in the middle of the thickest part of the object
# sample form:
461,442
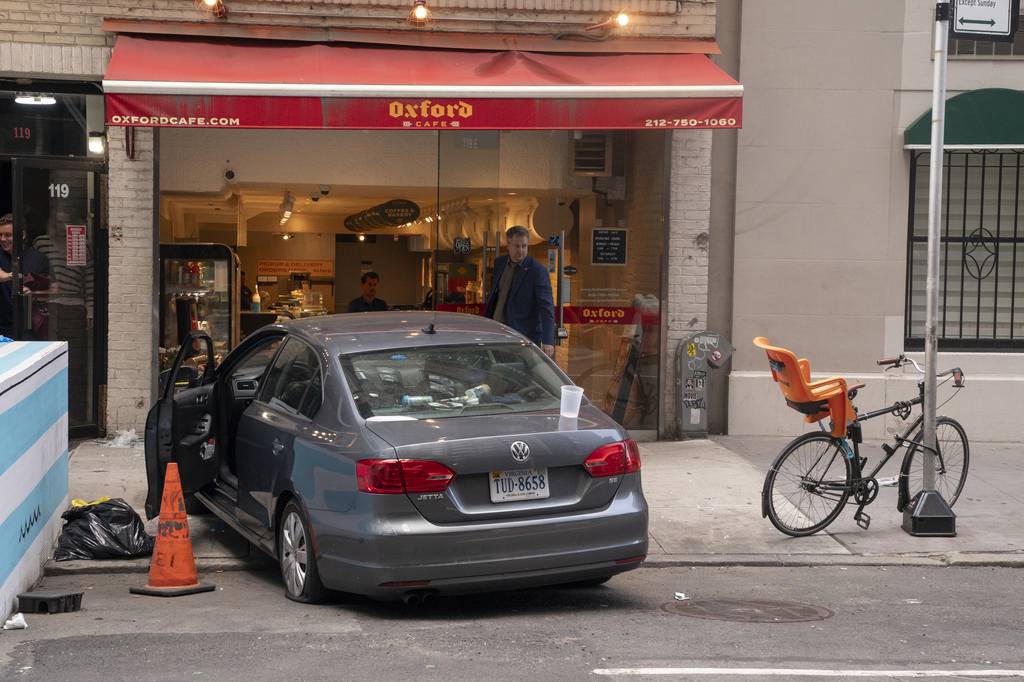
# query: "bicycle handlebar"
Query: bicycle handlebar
893,363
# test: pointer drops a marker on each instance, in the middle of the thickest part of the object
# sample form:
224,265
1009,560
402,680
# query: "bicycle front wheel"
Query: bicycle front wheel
950,465
807,485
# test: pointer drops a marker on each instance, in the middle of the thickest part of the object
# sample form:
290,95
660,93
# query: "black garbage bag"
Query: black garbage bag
110,529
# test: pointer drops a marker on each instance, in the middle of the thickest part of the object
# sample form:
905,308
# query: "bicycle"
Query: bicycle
818,473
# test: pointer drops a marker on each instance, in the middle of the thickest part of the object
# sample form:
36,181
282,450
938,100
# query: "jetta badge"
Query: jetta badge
520,451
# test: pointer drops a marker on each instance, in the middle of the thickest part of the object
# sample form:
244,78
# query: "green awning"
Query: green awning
989,118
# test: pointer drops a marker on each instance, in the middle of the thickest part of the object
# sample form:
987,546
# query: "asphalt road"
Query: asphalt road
892,619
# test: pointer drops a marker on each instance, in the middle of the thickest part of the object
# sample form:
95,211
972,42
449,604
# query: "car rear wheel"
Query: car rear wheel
295,556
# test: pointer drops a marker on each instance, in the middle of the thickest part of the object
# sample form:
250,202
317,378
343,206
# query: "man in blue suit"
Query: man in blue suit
520,294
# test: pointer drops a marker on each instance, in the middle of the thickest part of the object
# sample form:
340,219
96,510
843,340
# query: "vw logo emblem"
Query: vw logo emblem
520,451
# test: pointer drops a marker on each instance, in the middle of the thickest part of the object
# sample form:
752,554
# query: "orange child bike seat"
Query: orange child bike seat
815,400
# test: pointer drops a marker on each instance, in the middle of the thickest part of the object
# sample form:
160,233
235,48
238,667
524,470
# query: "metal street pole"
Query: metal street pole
929,514
931,319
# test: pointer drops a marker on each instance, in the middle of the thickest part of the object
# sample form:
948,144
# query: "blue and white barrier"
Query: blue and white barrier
33,461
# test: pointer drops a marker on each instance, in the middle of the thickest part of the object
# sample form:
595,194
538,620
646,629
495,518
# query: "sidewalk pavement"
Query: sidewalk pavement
705,510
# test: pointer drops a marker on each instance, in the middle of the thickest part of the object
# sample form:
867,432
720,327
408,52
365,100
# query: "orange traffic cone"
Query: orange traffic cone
172,571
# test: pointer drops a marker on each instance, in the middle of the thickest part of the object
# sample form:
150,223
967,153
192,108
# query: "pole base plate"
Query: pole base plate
929,515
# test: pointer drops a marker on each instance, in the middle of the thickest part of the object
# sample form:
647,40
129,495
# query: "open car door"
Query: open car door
182,426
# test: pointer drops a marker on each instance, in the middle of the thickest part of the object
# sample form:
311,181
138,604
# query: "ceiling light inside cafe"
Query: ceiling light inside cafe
36,98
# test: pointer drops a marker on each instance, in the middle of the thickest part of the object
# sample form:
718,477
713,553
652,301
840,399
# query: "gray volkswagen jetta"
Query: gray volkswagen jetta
399,455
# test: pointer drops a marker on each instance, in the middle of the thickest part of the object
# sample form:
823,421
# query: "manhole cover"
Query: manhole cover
748,610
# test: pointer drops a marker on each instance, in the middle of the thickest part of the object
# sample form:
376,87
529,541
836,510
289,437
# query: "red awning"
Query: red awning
187,82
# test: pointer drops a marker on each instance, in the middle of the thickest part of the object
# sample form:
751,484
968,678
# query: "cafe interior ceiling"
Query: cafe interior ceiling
322,209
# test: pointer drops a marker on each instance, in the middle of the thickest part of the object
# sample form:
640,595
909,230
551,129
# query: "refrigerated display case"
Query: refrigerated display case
198,290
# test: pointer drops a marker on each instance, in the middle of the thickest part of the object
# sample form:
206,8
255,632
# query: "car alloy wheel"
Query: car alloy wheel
296,557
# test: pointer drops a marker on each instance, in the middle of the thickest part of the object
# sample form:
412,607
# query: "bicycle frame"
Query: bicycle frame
900,440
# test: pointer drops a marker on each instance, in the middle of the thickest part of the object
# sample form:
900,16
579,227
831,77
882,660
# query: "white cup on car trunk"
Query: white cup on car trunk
572,397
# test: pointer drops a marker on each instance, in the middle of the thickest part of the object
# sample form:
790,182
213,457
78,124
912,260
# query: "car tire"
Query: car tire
295,557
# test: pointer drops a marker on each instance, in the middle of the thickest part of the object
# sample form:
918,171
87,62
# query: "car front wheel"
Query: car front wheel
295,556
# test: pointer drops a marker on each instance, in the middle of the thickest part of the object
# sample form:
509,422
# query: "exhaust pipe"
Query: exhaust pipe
418,598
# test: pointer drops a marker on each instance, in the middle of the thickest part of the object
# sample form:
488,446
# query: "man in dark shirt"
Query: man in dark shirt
520,295
36,270
368,302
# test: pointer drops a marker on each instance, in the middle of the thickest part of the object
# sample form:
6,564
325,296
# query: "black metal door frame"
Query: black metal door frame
100,270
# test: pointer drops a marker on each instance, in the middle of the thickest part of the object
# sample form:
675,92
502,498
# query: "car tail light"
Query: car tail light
400,476
632,457
379,476
424,476
613,459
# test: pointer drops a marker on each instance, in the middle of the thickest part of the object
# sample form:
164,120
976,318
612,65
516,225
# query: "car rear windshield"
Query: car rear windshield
448,381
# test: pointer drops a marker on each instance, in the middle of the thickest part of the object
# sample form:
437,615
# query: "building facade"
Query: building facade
831,200
657,190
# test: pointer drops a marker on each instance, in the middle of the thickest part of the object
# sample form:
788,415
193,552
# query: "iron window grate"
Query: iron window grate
981,301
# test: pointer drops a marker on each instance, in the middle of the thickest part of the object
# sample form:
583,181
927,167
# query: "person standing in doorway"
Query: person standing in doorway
36,277
368,302
520,295
244,295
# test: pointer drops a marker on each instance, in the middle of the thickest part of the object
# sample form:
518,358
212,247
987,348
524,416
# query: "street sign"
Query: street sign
984,19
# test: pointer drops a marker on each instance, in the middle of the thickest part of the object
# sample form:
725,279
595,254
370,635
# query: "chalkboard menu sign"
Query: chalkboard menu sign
609,247
49,129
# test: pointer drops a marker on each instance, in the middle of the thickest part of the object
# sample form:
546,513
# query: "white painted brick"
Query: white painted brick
131,357
689,216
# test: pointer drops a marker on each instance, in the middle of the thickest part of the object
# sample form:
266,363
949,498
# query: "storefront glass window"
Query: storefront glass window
427,211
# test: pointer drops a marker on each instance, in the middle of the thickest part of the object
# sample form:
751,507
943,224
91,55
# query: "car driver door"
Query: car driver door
182,426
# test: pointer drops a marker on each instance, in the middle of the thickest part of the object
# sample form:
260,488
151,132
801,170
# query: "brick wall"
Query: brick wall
77,22
132,357
686,309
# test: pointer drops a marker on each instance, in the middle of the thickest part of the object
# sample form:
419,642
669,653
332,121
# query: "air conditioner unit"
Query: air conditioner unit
591,154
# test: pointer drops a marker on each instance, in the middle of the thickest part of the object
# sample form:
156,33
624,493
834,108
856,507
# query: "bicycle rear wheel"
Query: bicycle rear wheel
950,466
807,485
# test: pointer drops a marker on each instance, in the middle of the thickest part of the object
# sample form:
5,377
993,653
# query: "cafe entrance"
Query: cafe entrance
574,144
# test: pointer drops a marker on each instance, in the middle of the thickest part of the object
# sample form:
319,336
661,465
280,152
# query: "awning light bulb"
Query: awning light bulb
622,19
420,11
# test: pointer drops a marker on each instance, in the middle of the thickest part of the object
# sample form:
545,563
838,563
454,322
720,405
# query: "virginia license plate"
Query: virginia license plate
519,484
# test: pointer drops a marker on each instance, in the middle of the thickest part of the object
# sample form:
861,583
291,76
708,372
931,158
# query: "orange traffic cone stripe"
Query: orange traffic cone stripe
172,570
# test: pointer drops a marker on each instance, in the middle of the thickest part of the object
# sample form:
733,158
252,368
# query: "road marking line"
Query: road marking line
808,672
